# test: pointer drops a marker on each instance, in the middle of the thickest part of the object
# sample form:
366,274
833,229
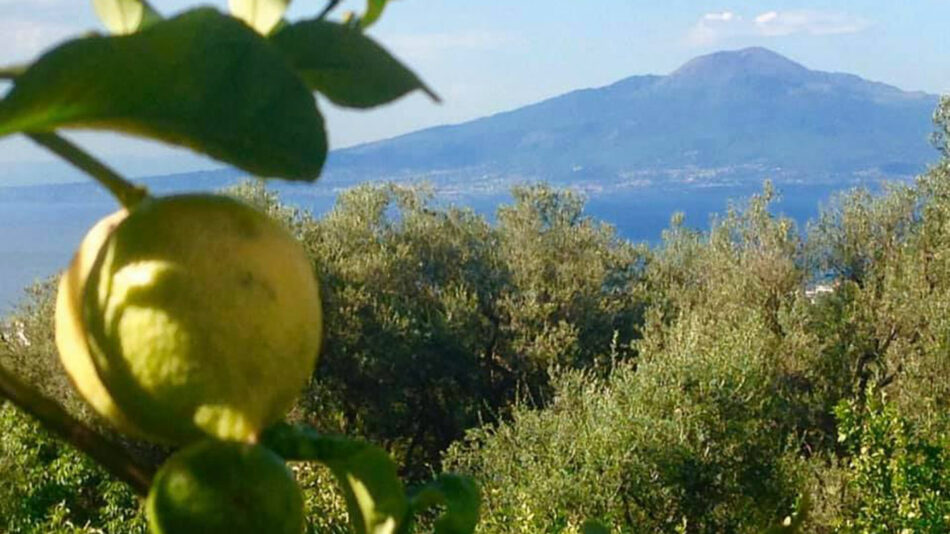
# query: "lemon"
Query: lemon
70,331
224,487
203,318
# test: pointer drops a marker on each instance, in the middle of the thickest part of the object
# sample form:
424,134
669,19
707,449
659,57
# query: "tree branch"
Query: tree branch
53,417
331,5
11,72
127,193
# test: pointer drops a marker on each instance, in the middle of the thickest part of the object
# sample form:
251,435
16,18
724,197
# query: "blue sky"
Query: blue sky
486,56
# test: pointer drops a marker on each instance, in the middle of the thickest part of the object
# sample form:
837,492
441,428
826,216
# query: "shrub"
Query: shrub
46,487
898,478
435,319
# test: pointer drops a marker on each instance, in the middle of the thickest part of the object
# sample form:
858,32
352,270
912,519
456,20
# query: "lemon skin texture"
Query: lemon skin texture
203,318
215,487
70,331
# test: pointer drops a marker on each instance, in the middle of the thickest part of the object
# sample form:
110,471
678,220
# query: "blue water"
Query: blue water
41,226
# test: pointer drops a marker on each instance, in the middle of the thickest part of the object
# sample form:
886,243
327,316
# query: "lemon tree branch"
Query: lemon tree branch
127,193
11,72
112,457
331,5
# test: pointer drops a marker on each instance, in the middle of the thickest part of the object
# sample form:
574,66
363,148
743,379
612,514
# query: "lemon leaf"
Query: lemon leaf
375,497
262,15
374,9
460,497
345,65
125,16
201,80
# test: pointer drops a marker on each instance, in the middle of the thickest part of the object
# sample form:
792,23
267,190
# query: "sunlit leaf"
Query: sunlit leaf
374,8
125,16
346,65
375,497
460,497
202,80
262,15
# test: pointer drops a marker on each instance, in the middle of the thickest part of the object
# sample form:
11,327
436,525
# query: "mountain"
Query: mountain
728,117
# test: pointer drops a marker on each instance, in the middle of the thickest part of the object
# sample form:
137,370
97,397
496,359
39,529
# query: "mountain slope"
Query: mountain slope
728,116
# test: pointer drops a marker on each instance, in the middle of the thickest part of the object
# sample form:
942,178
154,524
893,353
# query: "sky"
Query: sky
488,56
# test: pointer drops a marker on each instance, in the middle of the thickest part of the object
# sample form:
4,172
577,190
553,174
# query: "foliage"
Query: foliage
407,316
752,337
899,479
125,16
324,505
697,382
436,320
705,403
344,65
210,82
270,127
941,119
247,103
688,434
731,380
47,487
26,344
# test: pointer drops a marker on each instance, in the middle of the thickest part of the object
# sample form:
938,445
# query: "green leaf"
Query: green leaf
201,80
125,16
375,497
345,65
374,8
262,15
461,499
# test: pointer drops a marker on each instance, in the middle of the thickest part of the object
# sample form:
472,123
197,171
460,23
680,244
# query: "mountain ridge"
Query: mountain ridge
733,115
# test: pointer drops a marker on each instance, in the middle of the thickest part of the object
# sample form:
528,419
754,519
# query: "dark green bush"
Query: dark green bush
687,436
436,320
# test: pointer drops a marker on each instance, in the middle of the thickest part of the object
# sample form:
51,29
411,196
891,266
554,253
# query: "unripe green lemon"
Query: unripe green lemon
203,318
71,331
224,487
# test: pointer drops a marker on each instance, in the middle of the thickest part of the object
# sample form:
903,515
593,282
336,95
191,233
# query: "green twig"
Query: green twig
112,457
11,72
127,193
331,5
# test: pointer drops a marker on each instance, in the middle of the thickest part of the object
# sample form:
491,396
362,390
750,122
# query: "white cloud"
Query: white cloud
766,17
718,26
723,16
775,23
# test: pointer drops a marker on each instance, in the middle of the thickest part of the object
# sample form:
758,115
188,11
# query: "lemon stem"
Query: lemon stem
127,193
11,72
327,9
112,457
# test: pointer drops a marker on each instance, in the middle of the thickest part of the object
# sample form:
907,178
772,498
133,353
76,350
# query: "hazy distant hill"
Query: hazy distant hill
727,117
86,191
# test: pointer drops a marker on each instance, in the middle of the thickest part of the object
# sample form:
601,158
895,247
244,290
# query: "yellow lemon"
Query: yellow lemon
71,331
203,318
224,487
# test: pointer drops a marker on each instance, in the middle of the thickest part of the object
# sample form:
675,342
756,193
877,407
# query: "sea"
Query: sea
41,225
